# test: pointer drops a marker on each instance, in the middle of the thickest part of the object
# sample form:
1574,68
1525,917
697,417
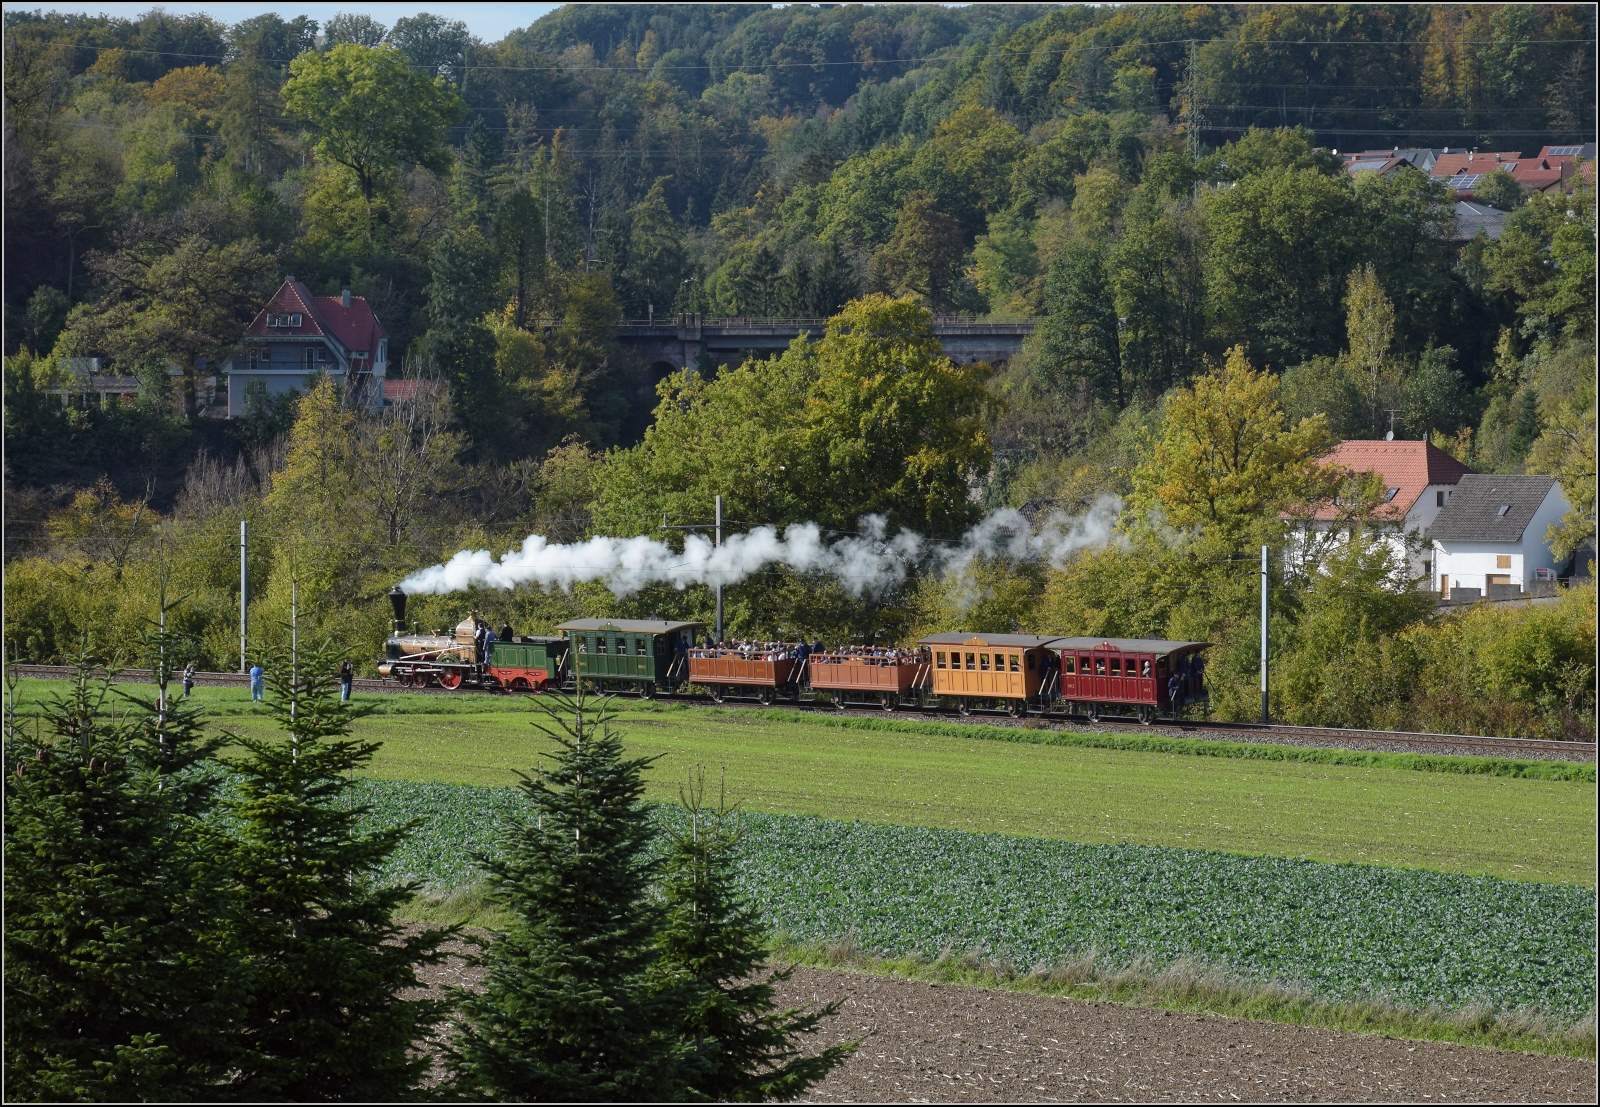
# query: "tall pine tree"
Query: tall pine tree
569,1008
713,947
324,966
114,969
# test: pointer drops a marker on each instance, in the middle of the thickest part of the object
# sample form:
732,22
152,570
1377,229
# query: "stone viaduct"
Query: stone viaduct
686,340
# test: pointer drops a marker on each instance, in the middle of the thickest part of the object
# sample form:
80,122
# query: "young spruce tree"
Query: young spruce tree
324,966
112,899
713,947
570,1009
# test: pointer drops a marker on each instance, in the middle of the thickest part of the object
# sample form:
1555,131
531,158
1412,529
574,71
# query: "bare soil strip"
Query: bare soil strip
933,1043
950,1043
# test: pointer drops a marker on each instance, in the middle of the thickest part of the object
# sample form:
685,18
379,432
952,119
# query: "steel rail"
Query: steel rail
1184,728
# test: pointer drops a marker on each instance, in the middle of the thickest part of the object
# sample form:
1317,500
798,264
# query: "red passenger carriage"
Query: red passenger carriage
1122,675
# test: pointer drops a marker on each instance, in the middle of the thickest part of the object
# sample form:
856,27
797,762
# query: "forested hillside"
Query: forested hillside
1156,184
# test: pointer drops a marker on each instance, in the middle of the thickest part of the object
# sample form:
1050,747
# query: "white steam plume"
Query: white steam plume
867,563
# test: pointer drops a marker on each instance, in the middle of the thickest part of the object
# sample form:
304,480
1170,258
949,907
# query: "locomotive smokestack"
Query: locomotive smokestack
397,600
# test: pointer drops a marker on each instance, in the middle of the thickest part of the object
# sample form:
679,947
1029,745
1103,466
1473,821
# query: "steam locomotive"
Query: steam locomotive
1014,673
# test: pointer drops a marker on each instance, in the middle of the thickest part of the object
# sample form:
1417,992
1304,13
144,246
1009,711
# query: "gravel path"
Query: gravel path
948,1043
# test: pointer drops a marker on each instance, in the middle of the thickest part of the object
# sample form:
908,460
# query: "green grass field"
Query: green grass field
1504,826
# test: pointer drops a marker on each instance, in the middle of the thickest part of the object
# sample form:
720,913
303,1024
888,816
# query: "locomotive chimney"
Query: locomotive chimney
397,600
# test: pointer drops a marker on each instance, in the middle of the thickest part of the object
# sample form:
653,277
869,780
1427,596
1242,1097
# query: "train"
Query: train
965,672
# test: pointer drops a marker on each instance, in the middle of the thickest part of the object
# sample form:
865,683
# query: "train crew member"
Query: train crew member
1174,683
505,633
257,676
188,679
347,676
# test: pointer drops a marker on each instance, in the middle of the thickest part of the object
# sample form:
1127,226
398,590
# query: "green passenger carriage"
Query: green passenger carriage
630,655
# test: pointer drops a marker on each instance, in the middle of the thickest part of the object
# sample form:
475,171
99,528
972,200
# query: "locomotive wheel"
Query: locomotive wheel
450,678
520,684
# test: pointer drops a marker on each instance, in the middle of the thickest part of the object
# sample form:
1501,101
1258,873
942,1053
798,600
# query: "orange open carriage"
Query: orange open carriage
764,673
888,679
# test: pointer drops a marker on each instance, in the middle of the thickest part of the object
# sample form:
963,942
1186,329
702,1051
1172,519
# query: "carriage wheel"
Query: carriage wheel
837,699
717,693
450,678
1013,708
1094,713
647,690
764,697
963,706
890,701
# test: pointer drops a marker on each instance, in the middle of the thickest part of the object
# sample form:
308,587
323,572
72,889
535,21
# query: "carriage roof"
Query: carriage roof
1127,645
629,626
969,638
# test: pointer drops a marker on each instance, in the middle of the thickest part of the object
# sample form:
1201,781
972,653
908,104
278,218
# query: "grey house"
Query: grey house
1491,532
298,335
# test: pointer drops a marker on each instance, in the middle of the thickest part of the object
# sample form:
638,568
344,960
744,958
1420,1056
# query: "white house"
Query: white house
1418,480
298,335
1492,532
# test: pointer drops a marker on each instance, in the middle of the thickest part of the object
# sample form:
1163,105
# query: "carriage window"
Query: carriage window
983,662
601,643
1069,665
622,646
1032,663
1116,666
970,665
639,647
939,659
1099,666
1015,666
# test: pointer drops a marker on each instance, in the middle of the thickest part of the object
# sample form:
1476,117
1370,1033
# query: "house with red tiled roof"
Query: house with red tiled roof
1417,478
298,335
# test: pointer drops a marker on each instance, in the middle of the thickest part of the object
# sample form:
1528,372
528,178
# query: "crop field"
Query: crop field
1533,829
1338,931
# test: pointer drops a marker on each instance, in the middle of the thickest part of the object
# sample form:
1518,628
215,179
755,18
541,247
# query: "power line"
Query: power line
860,62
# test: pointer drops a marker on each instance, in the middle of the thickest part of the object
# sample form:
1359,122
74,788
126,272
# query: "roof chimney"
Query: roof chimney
344,297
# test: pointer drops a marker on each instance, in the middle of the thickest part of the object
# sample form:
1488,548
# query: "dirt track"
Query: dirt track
945,1043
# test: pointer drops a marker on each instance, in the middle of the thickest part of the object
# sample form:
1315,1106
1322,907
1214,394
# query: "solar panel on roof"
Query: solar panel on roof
1465,182
1568,151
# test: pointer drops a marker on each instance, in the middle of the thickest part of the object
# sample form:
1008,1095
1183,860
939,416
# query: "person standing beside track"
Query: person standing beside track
347,676
188,679
257,679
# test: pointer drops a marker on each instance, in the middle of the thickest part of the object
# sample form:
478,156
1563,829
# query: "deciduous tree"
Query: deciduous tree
370,111
1226,461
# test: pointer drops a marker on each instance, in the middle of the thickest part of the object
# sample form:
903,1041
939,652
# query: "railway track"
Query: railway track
1269,733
